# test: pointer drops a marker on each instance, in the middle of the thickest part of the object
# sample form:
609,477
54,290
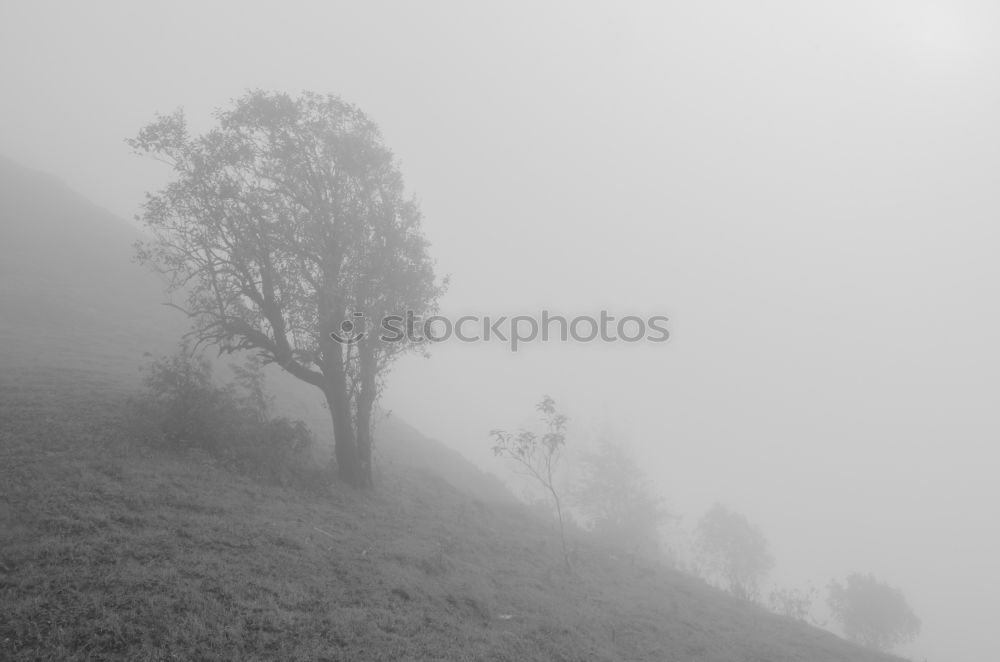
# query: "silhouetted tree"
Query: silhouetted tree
872,613
280,224
735,550
538,455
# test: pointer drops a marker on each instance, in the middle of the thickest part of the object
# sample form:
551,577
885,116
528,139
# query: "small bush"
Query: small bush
793,603
183,409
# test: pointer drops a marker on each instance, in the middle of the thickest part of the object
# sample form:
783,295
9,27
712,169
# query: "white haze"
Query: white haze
807,190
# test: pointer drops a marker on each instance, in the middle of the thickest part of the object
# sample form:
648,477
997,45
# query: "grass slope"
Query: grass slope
71,299
111,551
75,308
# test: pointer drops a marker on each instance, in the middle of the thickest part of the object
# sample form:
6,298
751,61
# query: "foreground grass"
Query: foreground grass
112,551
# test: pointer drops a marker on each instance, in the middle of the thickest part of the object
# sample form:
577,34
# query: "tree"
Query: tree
733,549
538,455
872,613
286,228
616,500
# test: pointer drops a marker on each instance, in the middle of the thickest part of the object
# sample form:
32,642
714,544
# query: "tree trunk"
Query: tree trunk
562,529
344,444
338,399
365,444
345,447
366,404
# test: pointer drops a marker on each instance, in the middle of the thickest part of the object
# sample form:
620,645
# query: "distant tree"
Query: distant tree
281,225
617,501
538,455
733,549
872,613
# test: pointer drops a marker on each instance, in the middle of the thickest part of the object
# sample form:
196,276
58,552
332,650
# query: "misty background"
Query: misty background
807,191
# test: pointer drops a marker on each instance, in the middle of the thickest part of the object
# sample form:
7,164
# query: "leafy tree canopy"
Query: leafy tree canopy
279,225
872,613
733,549
616,500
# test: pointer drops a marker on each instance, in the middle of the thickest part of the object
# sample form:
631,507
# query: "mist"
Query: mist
806,192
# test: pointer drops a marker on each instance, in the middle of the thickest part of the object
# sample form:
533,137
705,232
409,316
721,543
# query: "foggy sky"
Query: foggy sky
807,190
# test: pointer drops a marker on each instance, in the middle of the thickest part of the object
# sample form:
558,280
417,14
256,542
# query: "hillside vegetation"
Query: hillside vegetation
111,551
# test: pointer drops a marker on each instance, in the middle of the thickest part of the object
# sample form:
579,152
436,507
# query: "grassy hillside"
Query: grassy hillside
72,301
74,307
111,551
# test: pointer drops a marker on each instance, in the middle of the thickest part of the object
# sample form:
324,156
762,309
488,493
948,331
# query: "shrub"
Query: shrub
793,603
183,409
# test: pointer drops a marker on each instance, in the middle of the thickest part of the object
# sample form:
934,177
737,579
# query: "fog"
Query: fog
806,191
